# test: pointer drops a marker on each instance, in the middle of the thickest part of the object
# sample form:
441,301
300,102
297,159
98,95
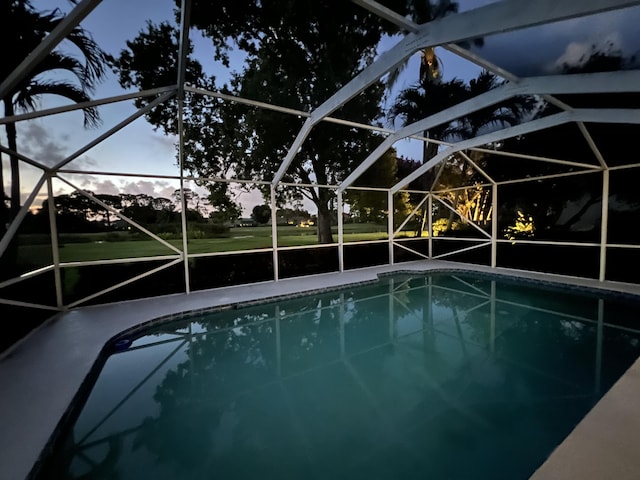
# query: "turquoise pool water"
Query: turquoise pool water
447,376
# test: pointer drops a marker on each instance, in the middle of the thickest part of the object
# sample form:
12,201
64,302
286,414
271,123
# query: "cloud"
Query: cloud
576,54
156,188
116,186
166,143
249,199
36,142
44,147
541,50
104,187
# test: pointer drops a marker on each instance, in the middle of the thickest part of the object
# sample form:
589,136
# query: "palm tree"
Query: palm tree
427,98
22,28
424,99
431,72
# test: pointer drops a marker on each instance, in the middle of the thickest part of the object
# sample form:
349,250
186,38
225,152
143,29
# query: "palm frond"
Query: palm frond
394,75
88,68
57,61
94,57
26,98
429,98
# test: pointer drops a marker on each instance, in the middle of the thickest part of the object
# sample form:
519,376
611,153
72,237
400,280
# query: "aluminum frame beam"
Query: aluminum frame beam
608,82
130,119
410,26
51,41
185,14
495,18
82,105
491,19
533,126
388,14
583,115
17,221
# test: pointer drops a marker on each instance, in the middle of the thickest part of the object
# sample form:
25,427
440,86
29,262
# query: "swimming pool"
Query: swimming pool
439,376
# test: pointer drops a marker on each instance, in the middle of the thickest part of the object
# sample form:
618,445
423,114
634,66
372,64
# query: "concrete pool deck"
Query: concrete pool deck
41,374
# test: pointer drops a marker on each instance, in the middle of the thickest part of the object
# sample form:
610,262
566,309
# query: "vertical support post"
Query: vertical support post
390,225
604,225
183,219
494,225
274,233
340,232
184,49
430,217
55,252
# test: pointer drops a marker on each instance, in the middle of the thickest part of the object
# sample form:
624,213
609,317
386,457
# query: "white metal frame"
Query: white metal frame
494,18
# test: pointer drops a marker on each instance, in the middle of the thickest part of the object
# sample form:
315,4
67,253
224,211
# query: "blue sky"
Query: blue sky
139,149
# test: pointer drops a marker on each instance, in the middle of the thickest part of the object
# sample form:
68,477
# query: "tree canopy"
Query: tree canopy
296,58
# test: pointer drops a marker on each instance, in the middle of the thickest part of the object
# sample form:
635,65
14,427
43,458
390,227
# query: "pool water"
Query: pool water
427,377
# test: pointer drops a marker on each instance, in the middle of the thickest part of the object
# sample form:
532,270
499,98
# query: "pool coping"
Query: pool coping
39,384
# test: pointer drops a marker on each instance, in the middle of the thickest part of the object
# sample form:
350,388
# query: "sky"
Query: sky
138,149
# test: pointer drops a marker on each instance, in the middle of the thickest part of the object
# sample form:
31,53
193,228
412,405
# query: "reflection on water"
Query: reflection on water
439,377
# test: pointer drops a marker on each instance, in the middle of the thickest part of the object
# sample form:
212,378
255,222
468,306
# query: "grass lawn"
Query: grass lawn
247,238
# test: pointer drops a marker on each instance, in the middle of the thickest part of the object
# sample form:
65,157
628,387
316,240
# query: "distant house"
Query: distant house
245,222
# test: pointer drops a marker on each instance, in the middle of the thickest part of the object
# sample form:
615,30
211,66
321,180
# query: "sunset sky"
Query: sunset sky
139,150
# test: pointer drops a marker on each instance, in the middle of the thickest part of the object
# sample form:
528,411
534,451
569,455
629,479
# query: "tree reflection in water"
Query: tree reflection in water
446,376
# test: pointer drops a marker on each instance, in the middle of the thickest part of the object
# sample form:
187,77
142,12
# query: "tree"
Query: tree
471,204
166,210
424,99
296,57
23,28
225,209
151,60
261,214
140,208
371,205
113,201
427,98
292,216
430,79
74,213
